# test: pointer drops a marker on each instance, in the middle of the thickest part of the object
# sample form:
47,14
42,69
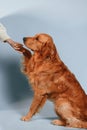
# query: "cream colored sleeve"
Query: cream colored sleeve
3,33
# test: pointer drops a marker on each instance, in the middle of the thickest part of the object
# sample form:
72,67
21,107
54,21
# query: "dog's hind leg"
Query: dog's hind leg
76,123
58,122
68,114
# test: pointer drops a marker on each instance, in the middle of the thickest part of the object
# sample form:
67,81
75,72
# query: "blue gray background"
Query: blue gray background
66,22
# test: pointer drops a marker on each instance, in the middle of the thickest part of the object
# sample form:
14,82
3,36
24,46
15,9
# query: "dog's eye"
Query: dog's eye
36,38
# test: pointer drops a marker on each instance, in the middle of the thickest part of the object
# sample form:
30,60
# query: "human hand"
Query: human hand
17,46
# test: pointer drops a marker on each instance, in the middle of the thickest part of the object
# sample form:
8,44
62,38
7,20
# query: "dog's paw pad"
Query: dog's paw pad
25,118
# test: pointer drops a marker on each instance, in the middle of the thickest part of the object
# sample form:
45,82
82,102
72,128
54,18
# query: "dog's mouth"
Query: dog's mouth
30,45
31,50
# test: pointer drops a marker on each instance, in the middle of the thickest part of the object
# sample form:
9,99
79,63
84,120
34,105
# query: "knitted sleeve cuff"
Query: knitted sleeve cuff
3,33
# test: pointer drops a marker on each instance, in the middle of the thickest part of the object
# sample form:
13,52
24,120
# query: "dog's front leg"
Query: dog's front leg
37,103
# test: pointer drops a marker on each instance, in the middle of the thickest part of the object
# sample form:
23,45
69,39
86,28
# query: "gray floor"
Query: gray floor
10,118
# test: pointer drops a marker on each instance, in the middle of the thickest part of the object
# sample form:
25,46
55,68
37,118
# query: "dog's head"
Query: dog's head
42,43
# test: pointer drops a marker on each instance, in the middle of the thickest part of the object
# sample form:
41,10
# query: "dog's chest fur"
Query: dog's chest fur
43,76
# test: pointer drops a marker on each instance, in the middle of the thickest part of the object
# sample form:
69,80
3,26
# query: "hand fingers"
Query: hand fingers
17,45
18,49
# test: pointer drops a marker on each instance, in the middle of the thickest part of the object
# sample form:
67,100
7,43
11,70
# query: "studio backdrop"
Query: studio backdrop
64,20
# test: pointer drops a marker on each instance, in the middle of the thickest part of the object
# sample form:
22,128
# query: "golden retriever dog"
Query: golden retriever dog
51,79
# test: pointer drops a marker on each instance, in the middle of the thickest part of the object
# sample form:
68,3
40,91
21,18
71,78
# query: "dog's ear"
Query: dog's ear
53,51
49,50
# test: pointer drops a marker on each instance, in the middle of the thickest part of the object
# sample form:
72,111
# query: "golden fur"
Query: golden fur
51,79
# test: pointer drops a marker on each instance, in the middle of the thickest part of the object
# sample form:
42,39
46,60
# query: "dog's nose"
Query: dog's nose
24,39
